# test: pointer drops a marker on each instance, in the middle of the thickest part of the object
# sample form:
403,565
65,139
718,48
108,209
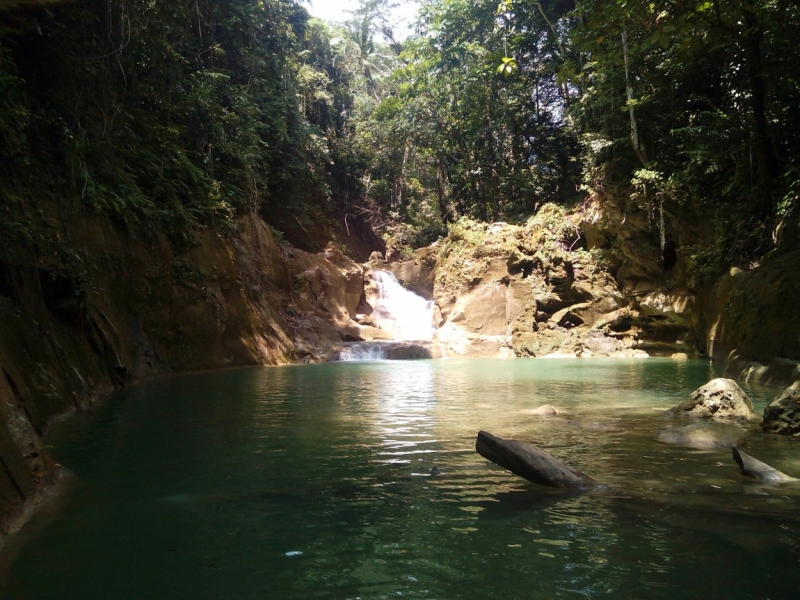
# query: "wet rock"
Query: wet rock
718,399
483,310
677,305
418,272
546,410
600,345
782,416
703,435
756,316
778,373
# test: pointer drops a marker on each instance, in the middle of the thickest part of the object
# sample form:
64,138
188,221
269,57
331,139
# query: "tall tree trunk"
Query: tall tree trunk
638,146
765,159
440,186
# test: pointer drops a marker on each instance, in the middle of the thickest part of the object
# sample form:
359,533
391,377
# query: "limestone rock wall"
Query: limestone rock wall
754,321
535,290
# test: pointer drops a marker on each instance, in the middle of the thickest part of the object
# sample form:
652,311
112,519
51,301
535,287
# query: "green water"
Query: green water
314,482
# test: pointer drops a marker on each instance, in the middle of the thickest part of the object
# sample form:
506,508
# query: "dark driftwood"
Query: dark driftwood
526,460
750,467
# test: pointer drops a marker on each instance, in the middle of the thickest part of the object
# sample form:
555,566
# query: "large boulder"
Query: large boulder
703,435
718,399
782,416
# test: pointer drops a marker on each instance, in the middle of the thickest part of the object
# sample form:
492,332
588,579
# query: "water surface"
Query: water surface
315,482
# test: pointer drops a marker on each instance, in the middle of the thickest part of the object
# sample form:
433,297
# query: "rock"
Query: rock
677,305
600,345
482,310
375,257
750,467
631,353
418,272
531,463
782,416
546,410
778,373
703,435
718,399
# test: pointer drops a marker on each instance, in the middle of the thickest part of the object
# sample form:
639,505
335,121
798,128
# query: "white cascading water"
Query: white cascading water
407,316
403,314
362,351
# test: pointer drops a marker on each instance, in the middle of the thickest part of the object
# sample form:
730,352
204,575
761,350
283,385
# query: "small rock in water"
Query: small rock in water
546,410
435,471
293,553
703,435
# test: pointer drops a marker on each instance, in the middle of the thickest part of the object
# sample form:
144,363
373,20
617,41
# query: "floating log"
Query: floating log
527,461
750,467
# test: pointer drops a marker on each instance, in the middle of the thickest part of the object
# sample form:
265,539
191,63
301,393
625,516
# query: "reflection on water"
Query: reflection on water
317,482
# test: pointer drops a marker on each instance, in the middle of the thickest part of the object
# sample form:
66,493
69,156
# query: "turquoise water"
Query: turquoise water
314,482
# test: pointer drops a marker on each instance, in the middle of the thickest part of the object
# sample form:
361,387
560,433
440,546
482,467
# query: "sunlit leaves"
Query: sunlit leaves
508,66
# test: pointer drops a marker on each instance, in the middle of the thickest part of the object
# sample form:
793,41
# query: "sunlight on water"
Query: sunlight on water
360,480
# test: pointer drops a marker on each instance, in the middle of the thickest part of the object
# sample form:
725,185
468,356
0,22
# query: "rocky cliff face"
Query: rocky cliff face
597,282
84,310
754,321
536,291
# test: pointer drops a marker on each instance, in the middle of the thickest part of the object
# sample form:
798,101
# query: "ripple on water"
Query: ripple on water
316,482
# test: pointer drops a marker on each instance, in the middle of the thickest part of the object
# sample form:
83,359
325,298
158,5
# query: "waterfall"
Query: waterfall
404,314
362,351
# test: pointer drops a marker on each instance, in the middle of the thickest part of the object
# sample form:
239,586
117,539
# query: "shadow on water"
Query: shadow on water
508,504
319,482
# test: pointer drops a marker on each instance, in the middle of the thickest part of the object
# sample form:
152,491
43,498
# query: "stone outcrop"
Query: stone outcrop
417,272
718,399
782,415
754,324
533,290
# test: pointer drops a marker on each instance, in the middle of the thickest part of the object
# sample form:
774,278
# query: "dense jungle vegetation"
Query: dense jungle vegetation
172,115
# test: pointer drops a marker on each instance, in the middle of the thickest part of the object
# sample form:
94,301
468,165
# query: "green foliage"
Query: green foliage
168,116
185,273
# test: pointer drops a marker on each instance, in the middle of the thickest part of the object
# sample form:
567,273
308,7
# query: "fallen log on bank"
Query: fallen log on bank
527,461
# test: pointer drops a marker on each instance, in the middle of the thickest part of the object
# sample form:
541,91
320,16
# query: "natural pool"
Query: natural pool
314,482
